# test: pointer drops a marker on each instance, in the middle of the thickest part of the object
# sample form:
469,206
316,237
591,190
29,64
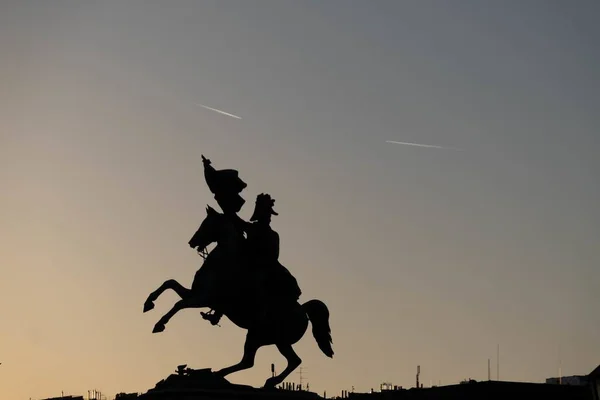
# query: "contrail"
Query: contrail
423,145
219,111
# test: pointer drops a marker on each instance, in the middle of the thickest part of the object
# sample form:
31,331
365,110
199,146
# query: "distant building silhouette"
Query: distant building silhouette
591,381
126,396
387,386
581,388
584,387
65,398
594,383
575,380
483,390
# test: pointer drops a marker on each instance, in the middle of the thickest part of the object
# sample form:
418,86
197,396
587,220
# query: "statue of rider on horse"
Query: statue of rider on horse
274,286
243,279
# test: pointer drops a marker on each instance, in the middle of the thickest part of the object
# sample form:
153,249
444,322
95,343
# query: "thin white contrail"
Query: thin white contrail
423,145
219,111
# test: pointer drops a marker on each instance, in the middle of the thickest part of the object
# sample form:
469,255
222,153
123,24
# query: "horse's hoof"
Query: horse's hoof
158,328
149,305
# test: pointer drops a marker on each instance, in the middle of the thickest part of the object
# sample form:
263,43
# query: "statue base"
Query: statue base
190,384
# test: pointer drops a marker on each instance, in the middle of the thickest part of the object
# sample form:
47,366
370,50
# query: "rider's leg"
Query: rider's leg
262,301
229,292
268,303
215,314
208,284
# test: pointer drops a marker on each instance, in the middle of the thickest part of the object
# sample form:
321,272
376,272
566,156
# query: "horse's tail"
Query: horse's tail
318,314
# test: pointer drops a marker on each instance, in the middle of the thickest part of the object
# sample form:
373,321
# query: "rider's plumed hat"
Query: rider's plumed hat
225,180
226,185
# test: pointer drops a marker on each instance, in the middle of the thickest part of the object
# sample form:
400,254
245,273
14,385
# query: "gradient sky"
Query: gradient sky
424,256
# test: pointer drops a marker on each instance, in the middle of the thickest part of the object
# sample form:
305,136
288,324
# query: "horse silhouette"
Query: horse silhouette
224,280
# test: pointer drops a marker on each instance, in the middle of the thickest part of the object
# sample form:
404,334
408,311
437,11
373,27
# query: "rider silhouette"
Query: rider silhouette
262,239
261,250
226,186
275,285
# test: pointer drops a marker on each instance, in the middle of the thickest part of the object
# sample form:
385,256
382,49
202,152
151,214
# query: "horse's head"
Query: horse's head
209,230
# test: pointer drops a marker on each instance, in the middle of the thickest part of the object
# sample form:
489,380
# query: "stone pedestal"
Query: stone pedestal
189,384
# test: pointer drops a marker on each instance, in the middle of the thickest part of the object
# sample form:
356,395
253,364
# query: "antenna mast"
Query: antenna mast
498,363
301,377
559,367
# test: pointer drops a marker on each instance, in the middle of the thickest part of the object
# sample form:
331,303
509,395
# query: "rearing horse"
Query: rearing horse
283,329
206,281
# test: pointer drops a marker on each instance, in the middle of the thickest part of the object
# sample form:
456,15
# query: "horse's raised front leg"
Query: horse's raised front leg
170,284
293,362
250,348
188,302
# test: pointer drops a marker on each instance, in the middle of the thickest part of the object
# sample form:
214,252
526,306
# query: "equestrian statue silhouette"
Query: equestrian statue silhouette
241,278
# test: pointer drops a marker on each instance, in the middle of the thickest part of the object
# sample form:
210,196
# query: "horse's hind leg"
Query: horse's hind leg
170,284
250,348
293,362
